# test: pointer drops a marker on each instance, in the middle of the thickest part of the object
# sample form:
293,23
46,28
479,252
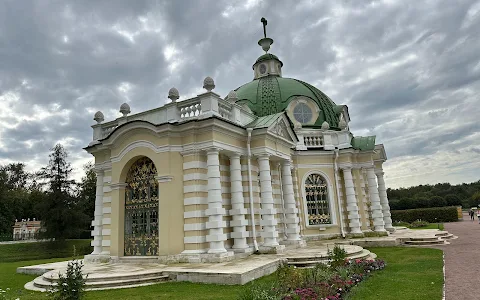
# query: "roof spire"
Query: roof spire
264,21
265,42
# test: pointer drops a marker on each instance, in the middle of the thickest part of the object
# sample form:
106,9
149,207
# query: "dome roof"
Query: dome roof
268,56
271,94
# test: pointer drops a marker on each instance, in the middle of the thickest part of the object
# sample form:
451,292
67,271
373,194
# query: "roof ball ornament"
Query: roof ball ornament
325,125
232,96
98,117
125,109
342,124
208,83
173,94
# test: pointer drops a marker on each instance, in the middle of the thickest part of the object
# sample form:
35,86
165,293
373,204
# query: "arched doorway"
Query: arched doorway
141,209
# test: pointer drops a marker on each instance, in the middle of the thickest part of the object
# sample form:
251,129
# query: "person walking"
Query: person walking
471,213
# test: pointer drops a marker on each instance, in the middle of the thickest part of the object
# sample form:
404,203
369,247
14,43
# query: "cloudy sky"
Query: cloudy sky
408,70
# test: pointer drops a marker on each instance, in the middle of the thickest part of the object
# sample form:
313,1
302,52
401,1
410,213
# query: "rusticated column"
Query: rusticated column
215,211
98,214
291,212
376,207
352,207
238,210
268,212
382,191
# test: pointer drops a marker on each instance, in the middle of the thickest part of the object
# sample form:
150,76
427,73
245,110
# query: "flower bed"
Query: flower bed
324,282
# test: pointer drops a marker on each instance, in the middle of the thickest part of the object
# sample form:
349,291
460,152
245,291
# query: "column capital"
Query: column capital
346,168
379,172
235,155
212,149
98,171
287,162
263,156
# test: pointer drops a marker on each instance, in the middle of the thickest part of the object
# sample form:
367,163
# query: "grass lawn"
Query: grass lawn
411,274
43,250
431,226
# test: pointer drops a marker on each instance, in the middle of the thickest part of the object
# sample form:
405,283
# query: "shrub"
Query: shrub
70,286
419,224
337,256
431,215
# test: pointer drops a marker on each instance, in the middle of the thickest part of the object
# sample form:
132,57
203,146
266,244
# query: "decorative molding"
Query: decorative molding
118,186
145,144
164,178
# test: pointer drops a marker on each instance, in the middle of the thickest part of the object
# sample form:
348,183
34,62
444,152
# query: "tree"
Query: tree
60,213
14,176
87,190
453,200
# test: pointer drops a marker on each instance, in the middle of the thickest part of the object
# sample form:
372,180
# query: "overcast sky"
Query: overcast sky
408,70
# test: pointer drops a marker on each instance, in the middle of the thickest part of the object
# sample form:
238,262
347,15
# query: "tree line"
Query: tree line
65,207
438,195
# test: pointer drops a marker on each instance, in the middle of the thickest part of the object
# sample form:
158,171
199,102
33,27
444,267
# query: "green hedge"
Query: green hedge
432,215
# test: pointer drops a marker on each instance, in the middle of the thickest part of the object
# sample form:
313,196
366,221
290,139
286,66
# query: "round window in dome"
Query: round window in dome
302,113
263,69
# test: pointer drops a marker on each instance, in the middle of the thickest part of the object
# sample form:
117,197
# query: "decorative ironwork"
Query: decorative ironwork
316,191
141,209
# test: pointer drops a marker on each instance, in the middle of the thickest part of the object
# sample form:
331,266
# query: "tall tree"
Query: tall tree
61,217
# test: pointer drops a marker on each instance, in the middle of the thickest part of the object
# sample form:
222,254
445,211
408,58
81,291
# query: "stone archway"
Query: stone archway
141,209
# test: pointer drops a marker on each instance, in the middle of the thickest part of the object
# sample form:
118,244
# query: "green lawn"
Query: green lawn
411,273
431,226
43,250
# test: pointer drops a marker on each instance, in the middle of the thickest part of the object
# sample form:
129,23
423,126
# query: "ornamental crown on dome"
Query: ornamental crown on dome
99,117
173,94
325,125
125,109
208,83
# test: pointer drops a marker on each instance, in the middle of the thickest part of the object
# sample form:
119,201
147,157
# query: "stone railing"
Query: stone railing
313,140
204,105
322,139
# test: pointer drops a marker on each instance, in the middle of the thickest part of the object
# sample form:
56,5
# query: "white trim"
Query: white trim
106,243
164,178
194,239
194,227
195,188
107,189
330,199
313,166
107,179
144,144
195,165
107,210
107,221
106,232
107,199
194,214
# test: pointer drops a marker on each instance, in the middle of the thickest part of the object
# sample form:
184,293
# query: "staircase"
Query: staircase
440,238
310,261
114,281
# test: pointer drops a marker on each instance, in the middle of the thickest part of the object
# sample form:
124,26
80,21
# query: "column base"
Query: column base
296,243
271,249
97,258
248,250
390,229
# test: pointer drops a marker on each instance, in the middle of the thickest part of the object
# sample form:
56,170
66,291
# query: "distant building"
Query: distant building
26,229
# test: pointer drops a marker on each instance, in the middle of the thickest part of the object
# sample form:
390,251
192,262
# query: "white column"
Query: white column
297,197
352,207
382,191
98,215
238,210
291,211
215,211
376,207
268,212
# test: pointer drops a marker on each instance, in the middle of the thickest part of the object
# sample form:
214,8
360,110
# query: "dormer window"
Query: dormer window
262,69
302,113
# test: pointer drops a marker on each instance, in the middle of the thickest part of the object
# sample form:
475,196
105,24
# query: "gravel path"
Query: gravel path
462,260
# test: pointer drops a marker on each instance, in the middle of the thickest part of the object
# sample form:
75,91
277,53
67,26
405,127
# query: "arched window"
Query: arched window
317,200
141,209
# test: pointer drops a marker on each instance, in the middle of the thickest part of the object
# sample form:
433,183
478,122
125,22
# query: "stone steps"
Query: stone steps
47,281
309,262
427,241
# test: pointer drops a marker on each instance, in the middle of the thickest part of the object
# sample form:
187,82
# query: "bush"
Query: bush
419,223
70,286
431,215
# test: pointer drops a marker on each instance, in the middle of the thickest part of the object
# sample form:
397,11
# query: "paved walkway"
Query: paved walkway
462,260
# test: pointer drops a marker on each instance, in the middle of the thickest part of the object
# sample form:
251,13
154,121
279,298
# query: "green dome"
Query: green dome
271,94
268,56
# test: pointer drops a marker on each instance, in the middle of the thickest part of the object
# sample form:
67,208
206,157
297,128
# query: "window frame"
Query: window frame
330,196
